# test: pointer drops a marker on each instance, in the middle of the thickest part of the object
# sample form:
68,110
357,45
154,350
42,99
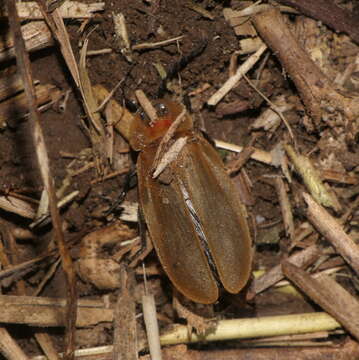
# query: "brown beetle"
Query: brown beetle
193,212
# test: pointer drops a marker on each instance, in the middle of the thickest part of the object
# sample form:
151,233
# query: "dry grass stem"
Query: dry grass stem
327,293
36,36
99,52
232,81
110,175
241,25
330,271
151,323
255,327
129,211
121,32
346,351
330,228
95,353
41,337
145,46
47,277
68,10
90,102
24,68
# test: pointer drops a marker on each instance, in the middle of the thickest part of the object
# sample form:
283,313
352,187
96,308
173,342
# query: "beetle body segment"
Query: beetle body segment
195,218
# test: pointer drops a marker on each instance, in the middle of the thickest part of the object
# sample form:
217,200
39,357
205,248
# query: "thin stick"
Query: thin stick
233,80
24,67
330,228
10,348
273,106
258,154
164,142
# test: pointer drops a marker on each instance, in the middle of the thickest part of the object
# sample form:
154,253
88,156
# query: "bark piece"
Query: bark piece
327,293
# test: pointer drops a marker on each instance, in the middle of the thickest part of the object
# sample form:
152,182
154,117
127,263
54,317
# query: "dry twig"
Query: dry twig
24,67
321,99
49,312
336,17
233,80
301,259
330,228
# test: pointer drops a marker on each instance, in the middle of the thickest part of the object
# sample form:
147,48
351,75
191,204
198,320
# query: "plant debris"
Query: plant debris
273,85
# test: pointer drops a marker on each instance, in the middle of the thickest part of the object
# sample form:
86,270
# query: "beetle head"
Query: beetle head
144,133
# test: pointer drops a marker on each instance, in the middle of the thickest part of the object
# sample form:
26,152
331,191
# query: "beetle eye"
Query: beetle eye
144,117
162,109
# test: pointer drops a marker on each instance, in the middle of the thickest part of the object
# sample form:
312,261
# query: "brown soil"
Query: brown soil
19,172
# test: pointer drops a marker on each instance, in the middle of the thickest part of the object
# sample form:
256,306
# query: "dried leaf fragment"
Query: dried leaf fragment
312,180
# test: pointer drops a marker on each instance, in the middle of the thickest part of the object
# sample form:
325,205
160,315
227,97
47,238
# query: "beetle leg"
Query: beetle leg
130,182
146,243
179,65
